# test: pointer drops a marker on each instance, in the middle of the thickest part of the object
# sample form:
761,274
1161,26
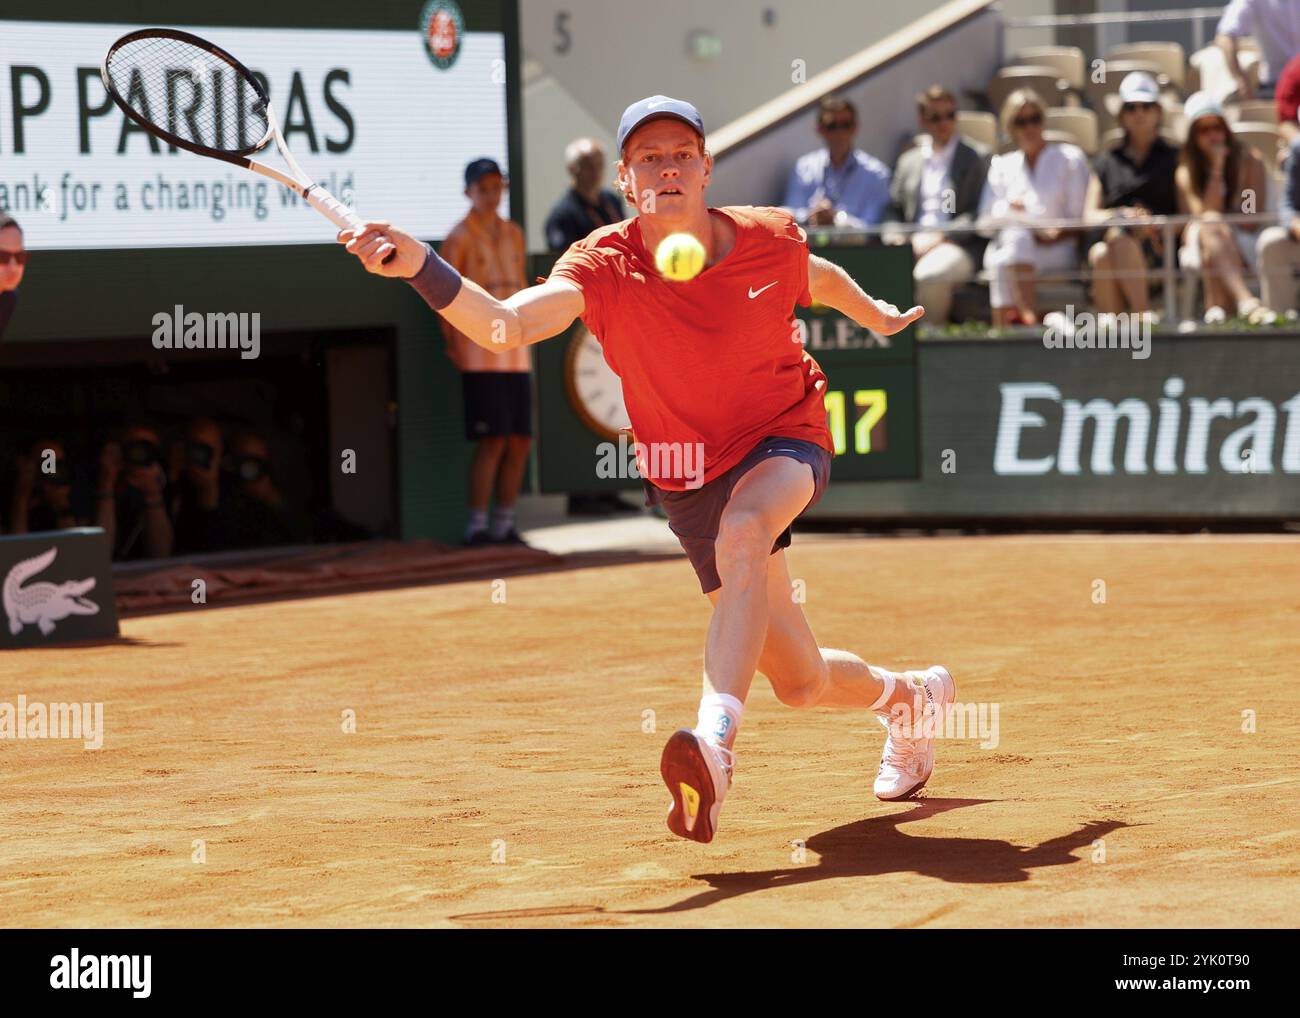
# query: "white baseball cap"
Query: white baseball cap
1201,104
1139,87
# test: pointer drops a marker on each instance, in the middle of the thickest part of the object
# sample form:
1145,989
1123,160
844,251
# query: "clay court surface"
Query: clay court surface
515,731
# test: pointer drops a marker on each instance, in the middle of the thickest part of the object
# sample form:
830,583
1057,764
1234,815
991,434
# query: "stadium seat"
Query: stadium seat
1175,126
1067,61
978,126
1054,90
1078,124
1170,57
1258,111
1263,138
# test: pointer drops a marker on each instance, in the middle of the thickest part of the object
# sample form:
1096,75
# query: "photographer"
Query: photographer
129,499
41,500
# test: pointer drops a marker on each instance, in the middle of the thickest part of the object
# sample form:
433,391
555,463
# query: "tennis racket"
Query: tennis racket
196,96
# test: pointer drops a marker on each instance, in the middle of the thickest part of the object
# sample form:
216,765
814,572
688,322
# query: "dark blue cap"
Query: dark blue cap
654,107
480,168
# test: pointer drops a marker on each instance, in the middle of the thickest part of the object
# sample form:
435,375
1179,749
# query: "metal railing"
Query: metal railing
1170,228
1198,16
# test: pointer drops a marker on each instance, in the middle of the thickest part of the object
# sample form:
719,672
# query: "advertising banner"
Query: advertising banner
386,120
1204,426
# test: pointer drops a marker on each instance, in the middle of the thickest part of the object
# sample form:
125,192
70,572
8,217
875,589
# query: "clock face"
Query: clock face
594,390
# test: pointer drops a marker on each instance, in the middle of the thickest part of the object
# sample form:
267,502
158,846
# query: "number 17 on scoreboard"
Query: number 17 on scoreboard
869,423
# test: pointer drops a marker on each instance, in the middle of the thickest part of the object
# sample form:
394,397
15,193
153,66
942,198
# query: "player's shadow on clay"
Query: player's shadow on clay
872,847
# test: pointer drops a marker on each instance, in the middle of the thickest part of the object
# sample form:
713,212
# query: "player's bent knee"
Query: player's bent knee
798,694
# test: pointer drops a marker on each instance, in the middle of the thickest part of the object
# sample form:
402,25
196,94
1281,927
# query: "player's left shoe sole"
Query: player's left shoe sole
694,813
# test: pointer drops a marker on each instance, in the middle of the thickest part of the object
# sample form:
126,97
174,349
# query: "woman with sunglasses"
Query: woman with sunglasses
1218,176
1134,180
1038,180
13,260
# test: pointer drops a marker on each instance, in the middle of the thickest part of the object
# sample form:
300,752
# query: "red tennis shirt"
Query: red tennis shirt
714,363
1287,95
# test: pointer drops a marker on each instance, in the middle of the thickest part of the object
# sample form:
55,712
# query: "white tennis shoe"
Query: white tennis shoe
908,759
698,774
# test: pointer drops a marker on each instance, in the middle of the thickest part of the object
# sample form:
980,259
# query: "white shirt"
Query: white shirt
1275,25
936,178
1056,188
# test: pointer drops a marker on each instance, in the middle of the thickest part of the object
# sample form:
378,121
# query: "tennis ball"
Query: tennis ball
680,257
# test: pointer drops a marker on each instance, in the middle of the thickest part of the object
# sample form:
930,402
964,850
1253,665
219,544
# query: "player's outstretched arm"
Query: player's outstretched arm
531,315
831,285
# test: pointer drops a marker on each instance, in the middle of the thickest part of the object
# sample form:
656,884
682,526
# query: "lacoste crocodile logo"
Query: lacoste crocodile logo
43,604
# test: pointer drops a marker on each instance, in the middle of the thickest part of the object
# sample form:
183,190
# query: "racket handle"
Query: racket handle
336,212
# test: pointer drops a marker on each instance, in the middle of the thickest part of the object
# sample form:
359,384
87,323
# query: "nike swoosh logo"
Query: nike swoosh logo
754,293
651,106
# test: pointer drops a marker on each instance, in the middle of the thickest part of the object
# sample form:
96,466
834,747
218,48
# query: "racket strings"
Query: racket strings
190,93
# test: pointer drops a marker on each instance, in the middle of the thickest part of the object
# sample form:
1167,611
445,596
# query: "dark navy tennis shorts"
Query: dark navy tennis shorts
694,514
497,403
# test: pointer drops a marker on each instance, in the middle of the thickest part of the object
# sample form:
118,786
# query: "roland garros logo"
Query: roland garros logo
443,27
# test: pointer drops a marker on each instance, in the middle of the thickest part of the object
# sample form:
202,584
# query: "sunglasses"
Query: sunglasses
14,256
1032,120
940,118
1145,107
838,125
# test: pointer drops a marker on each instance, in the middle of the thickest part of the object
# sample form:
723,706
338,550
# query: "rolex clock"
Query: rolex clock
595,392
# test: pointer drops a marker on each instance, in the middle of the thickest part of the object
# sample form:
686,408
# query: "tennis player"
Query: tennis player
712,364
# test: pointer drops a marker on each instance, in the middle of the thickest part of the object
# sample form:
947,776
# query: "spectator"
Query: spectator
1218,176
1279,246
1134,179
202,520
586,206
1287,101
838,185
489,250
1275,25
940,181
13,259
42,499
255,515
130,496
1038,180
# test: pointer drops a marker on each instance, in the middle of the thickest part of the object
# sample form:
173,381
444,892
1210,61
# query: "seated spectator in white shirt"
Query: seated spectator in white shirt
940,181
838,185
1036,181
1275,25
